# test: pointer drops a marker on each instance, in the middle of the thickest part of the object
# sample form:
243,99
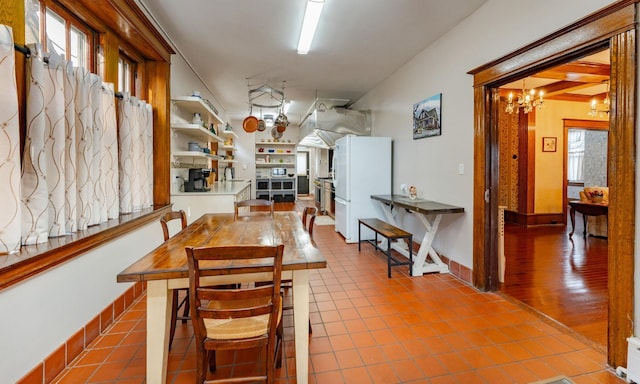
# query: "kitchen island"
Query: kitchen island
219,199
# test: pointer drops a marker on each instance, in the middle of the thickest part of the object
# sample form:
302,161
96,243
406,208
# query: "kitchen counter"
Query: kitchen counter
220,199
232,187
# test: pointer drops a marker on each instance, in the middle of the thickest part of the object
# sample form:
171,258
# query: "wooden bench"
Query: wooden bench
389,232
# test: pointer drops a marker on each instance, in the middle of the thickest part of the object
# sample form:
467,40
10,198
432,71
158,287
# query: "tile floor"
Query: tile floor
370,329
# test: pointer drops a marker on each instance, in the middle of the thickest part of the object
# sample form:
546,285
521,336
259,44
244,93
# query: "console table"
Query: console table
587,209
423,208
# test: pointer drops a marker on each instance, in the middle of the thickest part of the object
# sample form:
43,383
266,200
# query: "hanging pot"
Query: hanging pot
281,128
275,134
261,125
250,124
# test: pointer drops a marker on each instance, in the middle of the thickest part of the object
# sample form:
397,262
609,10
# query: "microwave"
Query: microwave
278,172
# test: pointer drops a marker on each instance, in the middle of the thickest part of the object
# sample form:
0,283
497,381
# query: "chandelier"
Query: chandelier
600,109
526,100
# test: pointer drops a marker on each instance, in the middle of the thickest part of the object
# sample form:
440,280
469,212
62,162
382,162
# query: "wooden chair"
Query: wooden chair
164,220
309,215
242,318
260,204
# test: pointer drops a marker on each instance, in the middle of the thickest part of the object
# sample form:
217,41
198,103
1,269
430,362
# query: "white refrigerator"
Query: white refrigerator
361,168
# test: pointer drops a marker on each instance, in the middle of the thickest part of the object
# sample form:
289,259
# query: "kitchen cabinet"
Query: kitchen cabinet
275,170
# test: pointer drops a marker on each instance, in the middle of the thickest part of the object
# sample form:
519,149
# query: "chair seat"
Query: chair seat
242,328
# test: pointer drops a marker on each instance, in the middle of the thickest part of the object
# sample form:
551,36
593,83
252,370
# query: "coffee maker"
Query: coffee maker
197,180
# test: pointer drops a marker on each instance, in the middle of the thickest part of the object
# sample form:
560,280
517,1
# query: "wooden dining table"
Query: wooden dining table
165,269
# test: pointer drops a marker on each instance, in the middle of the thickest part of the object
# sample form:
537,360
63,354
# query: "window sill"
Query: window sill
33,259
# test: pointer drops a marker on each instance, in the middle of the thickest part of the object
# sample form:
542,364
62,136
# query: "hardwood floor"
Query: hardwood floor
564,278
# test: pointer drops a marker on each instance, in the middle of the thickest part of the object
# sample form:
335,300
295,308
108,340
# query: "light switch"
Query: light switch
460,169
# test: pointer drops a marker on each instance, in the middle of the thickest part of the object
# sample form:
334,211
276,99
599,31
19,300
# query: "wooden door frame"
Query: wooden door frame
613,27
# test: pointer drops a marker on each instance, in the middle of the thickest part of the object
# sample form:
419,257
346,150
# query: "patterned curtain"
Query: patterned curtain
9,146
71,195
135,130
70,176
110,154
35,218
55,142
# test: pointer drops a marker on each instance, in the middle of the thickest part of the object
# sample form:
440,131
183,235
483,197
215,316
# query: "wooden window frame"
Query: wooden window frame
70,21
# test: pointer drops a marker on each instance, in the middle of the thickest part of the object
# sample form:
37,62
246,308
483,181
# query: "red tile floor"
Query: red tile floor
371,329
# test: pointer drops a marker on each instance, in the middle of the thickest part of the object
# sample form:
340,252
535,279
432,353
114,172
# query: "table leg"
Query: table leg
572,215
159,302
584,223
420,264
301,323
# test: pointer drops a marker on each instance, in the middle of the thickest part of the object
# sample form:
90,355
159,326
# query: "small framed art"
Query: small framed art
549,144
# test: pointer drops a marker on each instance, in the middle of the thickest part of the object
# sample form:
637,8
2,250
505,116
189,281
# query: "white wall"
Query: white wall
431,164
41,313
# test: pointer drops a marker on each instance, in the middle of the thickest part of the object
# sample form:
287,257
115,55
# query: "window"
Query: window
59,32
126,75
575,155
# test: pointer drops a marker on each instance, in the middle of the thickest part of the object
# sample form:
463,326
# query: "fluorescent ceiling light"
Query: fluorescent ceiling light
311,17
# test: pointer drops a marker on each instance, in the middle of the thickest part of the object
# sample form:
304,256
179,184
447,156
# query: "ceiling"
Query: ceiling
581,80
237,45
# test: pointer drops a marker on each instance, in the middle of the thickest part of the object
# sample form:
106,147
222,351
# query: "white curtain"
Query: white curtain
575,154
81,165
135,127
55,144
9,146
110,154
71,189
35,218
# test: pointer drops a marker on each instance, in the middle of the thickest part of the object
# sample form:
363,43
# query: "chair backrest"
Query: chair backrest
234,303
258,203
309,216
167,217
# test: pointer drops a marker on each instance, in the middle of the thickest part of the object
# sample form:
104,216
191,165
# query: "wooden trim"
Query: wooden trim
534,218
586,124
125,19
612,26
572,41
622,186
34,259
158,93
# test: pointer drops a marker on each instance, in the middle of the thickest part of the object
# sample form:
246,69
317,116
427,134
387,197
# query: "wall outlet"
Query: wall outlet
403,188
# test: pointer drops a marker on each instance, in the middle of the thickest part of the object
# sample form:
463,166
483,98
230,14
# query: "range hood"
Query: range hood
329,119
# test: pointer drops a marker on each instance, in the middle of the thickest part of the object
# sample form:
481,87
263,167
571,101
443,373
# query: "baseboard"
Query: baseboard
47,370
460,271
534,218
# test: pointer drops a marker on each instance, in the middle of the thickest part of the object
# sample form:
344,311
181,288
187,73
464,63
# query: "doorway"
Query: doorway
547,153
614,27
302,172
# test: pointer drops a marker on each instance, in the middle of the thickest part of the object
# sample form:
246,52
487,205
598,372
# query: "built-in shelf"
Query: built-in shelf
228,133
193,105
196,132
195,154
266,144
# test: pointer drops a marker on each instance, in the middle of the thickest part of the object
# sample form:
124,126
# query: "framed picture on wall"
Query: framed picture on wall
549,144
427,119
